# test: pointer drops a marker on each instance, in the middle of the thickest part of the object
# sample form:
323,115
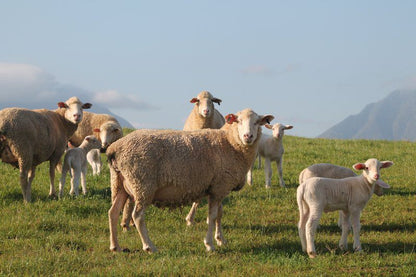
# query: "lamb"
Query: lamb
105,127
94,159
271,148
75,161
202,116
350,195
173,168
30,137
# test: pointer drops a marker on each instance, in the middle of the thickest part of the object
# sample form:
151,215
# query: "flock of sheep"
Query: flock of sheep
212,156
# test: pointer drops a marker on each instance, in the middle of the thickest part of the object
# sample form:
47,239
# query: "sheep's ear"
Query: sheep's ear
87,106
216,100
385,164
87,138
96,130
268,126
265,119
230,118
359,166
380,183
194,100
288,127
62,105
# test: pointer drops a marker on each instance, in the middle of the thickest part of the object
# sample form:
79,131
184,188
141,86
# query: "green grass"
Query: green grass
70,236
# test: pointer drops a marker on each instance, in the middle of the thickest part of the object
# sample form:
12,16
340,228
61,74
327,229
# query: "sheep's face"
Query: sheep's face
108,134
205,103
371,170
248,125
74,108
278,129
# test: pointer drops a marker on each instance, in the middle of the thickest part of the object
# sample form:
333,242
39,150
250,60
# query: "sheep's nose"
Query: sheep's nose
376,176
248,136
205,111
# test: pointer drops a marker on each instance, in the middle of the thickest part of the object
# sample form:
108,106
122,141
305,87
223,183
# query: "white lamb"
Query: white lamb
94,159
350,195
271,148
75,161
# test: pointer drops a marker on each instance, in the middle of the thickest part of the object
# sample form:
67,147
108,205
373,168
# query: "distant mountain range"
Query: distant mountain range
392,118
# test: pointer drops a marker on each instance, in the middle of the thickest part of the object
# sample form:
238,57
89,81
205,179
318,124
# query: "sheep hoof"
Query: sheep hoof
116,249
125,227
312,255
268,186
220,241
149,249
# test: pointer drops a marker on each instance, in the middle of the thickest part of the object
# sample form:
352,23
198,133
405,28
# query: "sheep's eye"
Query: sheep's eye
366,168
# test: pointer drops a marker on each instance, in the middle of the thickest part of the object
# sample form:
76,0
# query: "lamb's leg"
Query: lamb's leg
127,214
310,230
191,215
343,242
280,172
218,230
138,217
113,213
213,206
83,180
250,176
62,180
303,218
76,175
267,171
356,227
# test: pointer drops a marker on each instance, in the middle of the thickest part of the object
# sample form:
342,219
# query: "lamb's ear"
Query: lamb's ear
216,100
96,130
231,118
62,105
385,164
86,106
380,183
87,138
268,126
287,127
359,166
265,119
194,100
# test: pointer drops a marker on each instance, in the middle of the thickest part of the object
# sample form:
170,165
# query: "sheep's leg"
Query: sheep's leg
98,167
280,173
250,176
213,206
218,230
83,180
267,171
356,227
343,242
127,214
113,213
62,180
310,230
138,217
52,166
303,218
24,168
76,175
190,218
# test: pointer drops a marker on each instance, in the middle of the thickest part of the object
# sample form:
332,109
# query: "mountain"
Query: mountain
392,118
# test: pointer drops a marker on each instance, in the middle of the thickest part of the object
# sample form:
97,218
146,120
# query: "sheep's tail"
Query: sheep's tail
111,159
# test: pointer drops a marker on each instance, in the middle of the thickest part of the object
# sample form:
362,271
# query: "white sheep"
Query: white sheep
271,148
75,162
30,137
173,168
350,195
202,116
94,159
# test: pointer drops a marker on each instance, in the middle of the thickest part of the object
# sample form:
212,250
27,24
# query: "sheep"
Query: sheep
174,168
202,116
271,148
350,195
105,127
30,137
94,159
75,161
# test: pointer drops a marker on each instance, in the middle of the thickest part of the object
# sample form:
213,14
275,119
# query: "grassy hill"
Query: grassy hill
70,236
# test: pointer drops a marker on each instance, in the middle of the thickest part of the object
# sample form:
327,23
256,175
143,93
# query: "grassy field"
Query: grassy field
70,236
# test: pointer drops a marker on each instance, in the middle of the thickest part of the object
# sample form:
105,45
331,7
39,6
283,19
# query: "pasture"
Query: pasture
70,236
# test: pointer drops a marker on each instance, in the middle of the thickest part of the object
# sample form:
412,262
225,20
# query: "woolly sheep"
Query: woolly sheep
271,148
94,159
30,137
350,195
202,116
105,127
173,168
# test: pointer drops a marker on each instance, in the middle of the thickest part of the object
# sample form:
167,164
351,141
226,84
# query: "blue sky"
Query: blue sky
309,63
